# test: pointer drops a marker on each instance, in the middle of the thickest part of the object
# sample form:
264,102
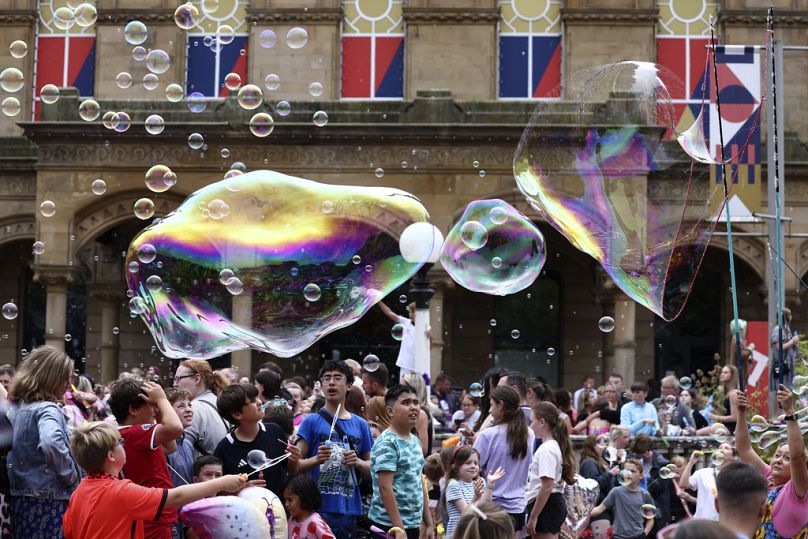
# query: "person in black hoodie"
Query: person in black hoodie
659,488
594,466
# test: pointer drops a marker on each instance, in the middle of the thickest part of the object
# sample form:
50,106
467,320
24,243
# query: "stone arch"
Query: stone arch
750,250
17,227
98,217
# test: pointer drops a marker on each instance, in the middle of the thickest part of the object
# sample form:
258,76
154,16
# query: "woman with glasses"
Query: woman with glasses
208,428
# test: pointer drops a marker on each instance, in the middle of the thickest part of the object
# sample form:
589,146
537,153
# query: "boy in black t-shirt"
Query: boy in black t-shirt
239,404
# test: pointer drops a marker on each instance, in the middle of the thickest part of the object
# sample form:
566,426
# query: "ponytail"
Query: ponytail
560,432
214,381
513,417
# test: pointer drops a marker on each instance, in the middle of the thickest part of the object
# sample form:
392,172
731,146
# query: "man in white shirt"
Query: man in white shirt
406,354
703,481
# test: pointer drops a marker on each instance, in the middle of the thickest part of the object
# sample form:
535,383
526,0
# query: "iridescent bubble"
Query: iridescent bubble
234,286
297,38
401,299
475,164
225,34
154,124
283,108
86,15
262,124
10,311
11,106
768,439
515,334
144,208
89,110
186,15
115,330
135,33
110,119
611,454
160,178
320,118
197,102
225,275
39,247
158,61
379,172
685,382
648,510
492,322
606,324
717,458
232,81
272,82
18,49
498,215
670,400
122,122
139,53
64,18
476,390
315,89
591,182
174,92
624,477
154,283
602,440
11,79
250,96
665,473
267,39
496,262
312,292
371,363
196,141
758,423
99,187
47,208
254,237
256,458
123,79
210,6
150,81
49,94
137,305
397,332
551,351
721,434
476,240
225,153
218,209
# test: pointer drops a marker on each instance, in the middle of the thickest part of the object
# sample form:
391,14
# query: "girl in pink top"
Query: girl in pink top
787,504
301,497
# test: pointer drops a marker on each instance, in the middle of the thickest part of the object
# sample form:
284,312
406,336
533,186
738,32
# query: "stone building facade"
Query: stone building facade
453,101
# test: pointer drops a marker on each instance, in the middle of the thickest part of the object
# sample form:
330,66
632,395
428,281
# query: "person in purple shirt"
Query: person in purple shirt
638,416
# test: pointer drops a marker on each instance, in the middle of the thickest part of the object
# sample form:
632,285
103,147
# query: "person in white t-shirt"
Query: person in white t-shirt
406,354
703,480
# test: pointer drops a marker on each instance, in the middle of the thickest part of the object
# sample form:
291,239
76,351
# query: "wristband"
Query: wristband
792,417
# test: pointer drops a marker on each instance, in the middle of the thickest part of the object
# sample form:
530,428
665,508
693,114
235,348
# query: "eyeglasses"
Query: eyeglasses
120,442
333,378
178,378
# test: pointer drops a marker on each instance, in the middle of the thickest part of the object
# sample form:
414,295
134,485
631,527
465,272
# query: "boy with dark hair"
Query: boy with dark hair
375,382
268,384
332,457
638,416
133,403
741,501
400,502
206,468
626,503
239,404
104,506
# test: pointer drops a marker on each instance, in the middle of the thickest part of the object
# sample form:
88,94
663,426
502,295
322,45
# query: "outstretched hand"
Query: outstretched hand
495,476
785,398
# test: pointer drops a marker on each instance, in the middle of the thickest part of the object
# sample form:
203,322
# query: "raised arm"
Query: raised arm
796,443
743,443
388,312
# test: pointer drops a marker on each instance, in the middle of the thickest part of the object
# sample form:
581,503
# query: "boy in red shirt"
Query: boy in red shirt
133,403
104,507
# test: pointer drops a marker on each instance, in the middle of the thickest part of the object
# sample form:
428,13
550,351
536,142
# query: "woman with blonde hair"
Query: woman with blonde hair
728,389
42,474
376,413
423,428
208,428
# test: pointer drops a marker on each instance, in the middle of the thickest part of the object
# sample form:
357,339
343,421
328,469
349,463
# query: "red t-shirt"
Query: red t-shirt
104,507
146,465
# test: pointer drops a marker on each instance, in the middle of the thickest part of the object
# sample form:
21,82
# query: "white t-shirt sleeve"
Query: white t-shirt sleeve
549,461
695,479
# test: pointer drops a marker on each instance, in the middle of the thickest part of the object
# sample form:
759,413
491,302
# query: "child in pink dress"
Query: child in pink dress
301,497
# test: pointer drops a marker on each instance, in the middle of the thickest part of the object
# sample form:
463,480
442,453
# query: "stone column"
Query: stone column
56,280
242,315
624,337
436,317
110,300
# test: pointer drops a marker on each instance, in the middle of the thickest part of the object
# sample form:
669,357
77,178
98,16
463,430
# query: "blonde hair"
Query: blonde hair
416,381
90,444
42,376
215,381
485,519
376,411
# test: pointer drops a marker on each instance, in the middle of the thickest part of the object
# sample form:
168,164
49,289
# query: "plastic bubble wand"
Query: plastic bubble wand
733,286
270,463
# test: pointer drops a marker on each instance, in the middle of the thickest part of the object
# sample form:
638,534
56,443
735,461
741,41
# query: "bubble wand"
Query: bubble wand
733,286
270,463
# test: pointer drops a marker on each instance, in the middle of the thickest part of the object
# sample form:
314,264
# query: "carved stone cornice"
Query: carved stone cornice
750,250
52,275
18,185
17,16
609,17
106,292
432,15
313,16
17,227
116,16
744,17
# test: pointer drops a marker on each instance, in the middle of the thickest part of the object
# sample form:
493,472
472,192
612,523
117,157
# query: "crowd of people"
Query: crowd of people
356,455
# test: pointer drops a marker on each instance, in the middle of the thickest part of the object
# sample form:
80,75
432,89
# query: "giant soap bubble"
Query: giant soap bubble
493,248
614,181
226,517
275,239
